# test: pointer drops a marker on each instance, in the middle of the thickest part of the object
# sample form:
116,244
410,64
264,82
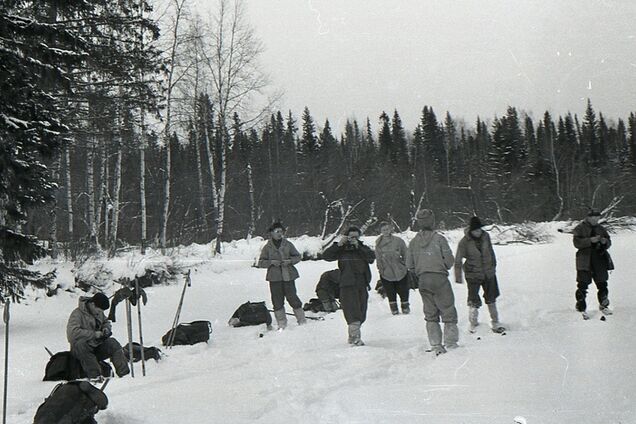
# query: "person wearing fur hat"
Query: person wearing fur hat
390,252
480,270
279,256
593,261
430,257
353,258
89,334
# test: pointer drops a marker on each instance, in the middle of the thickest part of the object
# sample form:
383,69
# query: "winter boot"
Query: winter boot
354,334
604,307
473,314
494,318
394,308
281,318
406,308
299,313
334,306
326,306
451,335
434,331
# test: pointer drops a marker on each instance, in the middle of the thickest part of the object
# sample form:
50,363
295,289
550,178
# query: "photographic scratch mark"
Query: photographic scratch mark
461,366
317,12
521,73
565,371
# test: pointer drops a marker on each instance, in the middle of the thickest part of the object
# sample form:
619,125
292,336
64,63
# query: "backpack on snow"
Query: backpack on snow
149,352
251,313
189,333
73,402
64,366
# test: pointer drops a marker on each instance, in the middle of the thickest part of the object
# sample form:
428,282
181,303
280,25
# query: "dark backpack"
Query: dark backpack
189,333
64,366
75,402
251,313
314,305
149,352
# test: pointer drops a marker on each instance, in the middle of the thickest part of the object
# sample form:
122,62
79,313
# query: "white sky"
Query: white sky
355,58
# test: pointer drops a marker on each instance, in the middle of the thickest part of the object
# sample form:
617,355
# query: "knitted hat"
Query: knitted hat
101,301
275,226
594,212
474,224
426,219
353,228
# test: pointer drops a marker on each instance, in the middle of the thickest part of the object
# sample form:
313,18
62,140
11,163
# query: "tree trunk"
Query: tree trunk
222,189
142,182
102,191
210,157
202,214
116,194
90,191
556,181
166,195
69,192
250,187
53,211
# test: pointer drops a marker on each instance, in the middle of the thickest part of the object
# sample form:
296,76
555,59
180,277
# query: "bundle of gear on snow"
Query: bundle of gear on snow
315,305
64,366
188,334
251,313
149,352
75,402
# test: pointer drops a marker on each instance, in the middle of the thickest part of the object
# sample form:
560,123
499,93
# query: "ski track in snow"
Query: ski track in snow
551,367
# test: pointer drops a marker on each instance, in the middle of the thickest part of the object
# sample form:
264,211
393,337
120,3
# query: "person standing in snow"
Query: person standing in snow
89,334
593,260
353,258
279,256
390,252
430,257
480,269
328,290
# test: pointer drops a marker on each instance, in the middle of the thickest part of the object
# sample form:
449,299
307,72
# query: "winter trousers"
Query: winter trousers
353,301
584,279
491,291
394,288
89,357
439,303
281,290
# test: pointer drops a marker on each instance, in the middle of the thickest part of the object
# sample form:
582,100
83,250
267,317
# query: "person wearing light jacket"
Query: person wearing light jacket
480,270
89,334
430,257
279,256
390,253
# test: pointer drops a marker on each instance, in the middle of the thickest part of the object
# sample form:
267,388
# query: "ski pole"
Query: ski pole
292,315
48,351
5,318
130,340
187,284
141,334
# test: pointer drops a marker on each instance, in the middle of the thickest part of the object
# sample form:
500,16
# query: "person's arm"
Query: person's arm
402,249
74,331
447,253
367,253
294,255
606,241
580,242
331,253
378,254
459,258
410,258
492,250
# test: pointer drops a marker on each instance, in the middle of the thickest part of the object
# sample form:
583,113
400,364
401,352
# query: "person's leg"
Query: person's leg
445,302
350,305
602,294
474,303
583,280
391,293
403,290
85,354
289,288
431,314
277,292
112,349
491,292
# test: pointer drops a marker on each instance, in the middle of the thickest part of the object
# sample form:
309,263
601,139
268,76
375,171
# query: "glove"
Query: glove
106,332
343,240
99,334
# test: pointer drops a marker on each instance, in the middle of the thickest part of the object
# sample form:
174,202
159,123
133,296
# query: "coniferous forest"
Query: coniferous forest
123,128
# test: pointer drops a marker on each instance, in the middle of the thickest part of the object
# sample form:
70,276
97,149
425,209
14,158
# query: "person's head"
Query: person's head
386,228
425,219
593,216
353,233
98,303
276,230
474,227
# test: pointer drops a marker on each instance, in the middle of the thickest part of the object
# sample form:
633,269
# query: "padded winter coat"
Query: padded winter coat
329,285
582,234
390,252
282,272
82,325
429,252
353,263
481,262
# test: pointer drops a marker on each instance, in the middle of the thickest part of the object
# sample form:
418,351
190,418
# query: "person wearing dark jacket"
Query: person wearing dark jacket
89,334
480,269
390,252
353,258
593,260
328,290
279,256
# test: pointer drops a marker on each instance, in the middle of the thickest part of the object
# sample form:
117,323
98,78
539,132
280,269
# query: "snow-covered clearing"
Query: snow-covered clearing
551,367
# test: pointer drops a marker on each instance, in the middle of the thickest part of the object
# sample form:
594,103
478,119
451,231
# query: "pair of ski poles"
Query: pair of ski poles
175,322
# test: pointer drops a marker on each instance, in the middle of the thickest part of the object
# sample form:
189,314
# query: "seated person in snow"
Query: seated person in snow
89,334
328,290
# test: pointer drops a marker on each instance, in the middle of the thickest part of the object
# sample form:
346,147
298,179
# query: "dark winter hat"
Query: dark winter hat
426,219
275,226
594,212
475,223
101,301
353,228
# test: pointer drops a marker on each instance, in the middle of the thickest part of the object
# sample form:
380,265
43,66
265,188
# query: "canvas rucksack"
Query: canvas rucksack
149,352
64,366
251,313
188,333
75,402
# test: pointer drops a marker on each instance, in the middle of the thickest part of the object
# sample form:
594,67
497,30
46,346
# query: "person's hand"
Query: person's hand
595,239
99,334
275,262
106,332
354,242
343,240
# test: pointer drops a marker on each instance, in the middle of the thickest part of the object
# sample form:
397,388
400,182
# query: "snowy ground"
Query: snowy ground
551,367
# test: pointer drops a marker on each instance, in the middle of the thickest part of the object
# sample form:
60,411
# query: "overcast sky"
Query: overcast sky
355,58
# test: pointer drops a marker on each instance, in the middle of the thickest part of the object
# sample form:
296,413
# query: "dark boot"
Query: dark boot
394,308
406,308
